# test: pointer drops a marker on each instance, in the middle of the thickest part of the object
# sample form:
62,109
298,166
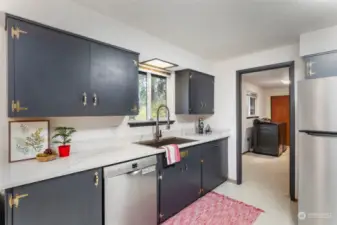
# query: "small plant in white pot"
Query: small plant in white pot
63,136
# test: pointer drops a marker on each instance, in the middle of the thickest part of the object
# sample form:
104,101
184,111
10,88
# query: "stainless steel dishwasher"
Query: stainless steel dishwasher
131,193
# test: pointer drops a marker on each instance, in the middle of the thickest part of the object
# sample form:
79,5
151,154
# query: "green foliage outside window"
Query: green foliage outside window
142,88
158,96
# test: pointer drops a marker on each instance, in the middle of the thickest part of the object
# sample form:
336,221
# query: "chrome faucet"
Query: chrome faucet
158,133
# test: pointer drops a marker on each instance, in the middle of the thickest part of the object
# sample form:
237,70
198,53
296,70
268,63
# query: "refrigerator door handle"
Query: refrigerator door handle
319,133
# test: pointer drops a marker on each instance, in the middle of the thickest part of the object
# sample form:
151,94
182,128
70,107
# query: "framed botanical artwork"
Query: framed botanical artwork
27,139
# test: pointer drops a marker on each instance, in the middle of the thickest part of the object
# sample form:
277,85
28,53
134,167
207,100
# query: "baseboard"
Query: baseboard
231,181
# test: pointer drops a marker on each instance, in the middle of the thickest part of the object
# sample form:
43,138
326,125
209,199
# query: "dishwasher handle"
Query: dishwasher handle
133,173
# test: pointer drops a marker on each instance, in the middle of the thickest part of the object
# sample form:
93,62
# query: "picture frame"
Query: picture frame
27,138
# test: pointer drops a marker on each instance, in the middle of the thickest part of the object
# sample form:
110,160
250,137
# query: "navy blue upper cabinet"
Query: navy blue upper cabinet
48,73
194,92
53,73
114,81
319,66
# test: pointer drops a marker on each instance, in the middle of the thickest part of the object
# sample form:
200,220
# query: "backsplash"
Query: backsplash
99,131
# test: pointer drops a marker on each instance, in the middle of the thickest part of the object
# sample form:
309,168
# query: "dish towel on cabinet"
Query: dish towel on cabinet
172,154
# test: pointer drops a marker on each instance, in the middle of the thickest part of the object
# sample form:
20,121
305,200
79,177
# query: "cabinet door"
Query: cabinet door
208,94
170,191
73,199
191,182
48,71
202,93
114,81
196,93
224,158
213,171
321,66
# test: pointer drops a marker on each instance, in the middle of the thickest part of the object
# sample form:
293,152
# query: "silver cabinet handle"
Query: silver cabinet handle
84,99
309,67
94,99
205,104
202,104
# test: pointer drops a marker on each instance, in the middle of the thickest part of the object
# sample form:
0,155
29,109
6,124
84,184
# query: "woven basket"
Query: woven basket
46,158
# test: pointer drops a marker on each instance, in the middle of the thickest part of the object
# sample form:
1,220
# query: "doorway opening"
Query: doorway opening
279,109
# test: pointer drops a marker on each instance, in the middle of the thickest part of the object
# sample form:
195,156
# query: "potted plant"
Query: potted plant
63,136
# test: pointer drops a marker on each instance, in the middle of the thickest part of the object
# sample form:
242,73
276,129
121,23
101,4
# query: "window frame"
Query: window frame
251,96
149,75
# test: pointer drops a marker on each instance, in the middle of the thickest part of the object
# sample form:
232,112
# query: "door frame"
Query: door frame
239,74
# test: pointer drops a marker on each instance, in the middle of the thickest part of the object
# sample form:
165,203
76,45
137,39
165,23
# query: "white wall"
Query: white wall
260,109
226,82
268,92
72,17
318,41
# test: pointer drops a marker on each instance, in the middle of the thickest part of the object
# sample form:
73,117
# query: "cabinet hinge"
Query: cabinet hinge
191,76
14,201
16,31
17,107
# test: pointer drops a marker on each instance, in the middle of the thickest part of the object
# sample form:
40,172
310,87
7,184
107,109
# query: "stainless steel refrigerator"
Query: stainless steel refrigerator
317,123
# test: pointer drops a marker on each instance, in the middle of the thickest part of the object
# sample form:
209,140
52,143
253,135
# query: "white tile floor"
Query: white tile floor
266,186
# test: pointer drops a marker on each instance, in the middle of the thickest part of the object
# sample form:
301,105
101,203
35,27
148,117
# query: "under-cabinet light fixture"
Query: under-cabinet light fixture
158,63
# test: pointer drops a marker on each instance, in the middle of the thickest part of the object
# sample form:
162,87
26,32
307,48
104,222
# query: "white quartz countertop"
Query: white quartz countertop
21,173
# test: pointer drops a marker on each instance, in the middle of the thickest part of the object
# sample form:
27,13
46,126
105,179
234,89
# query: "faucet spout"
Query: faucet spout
158,134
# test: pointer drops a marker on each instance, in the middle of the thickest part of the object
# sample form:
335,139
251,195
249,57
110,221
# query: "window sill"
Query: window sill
148,123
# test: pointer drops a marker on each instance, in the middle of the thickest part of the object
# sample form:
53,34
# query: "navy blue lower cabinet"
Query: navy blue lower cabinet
75,199
180,184
191,183
202,168
170,195
214,159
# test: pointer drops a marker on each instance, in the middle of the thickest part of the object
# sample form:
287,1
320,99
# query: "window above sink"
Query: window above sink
155,89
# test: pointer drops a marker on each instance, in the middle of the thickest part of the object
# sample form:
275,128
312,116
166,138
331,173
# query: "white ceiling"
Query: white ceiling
268,78
220,29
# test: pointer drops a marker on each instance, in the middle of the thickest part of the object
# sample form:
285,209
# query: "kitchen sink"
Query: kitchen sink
165,141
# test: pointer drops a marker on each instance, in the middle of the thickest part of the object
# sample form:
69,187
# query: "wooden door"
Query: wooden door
75,199
280,112
48,71
114,81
